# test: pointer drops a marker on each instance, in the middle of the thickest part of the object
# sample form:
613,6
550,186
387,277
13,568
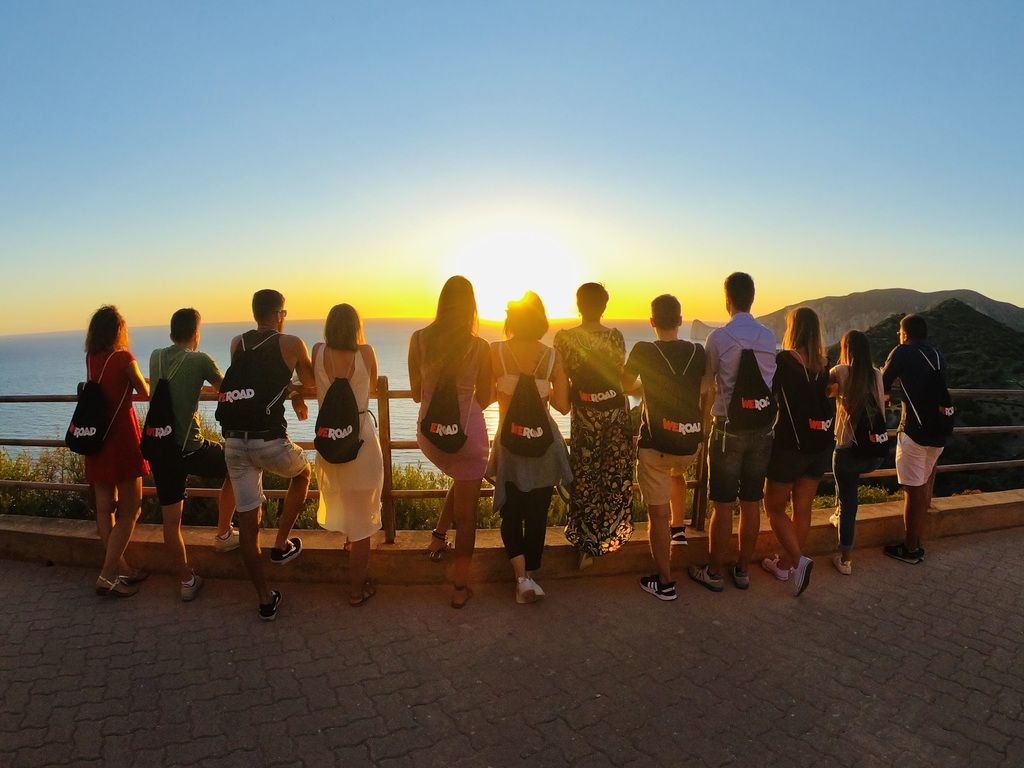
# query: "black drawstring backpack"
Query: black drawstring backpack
676,429
337,422
751,406
526,428
159,442
244,399
442,422
89,425
934,409
870,436
809,410
595,381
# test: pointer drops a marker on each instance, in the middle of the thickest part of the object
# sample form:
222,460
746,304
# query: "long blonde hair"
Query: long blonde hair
803,334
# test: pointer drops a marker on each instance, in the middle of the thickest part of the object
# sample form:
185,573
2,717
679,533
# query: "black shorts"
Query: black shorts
170,476
788,464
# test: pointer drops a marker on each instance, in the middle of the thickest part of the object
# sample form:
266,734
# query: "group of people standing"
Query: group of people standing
769,423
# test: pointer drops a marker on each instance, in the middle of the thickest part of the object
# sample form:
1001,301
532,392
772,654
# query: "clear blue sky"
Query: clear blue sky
163,154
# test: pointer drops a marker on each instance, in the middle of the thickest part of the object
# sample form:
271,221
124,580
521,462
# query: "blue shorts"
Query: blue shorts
737,464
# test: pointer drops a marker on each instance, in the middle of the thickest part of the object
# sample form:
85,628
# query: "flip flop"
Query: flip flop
467,593
369,590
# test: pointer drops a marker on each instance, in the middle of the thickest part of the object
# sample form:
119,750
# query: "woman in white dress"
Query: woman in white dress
350,492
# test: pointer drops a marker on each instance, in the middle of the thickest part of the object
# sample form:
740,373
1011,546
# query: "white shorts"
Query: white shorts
246,460
654,473
914,463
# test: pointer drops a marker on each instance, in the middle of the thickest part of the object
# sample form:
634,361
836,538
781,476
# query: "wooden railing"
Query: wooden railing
388,445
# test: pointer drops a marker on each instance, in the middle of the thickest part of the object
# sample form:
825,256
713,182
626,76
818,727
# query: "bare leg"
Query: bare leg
126,512
721,534
804,491
225,507
105,495
466,495
750,526
776,497
293,501
358,560
518,566
660,539
444,521
174,541
916,502
249,544
678,502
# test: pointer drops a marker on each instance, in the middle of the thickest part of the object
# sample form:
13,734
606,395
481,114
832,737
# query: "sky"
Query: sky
159,155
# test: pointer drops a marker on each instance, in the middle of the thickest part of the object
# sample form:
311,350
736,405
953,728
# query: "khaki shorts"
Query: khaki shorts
654,473
246,460
914,463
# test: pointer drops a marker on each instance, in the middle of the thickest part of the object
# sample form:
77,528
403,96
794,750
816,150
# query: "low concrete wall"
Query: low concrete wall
74,542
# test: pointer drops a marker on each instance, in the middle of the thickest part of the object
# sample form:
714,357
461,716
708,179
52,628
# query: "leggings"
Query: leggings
524,522
847,469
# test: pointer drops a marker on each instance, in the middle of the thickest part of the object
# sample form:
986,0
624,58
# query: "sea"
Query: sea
54,364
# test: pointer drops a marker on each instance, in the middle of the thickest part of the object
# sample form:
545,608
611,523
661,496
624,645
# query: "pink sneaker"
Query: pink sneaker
771,564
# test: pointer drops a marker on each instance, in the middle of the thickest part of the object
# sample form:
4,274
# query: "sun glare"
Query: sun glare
503,264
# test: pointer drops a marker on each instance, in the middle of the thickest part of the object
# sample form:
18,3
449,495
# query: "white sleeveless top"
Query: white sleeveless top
506,382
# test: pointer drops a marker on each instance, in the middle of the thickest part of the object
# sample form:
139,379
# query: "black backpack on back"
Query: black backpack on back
595,383
934,409
442,421
676,429
870,436
89,425
526,428
752,405
811,413
159,442
243,399
337,422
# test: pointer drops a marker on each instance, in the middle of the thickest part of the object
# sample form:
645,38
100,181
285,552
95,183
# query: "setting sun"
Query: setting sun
504,263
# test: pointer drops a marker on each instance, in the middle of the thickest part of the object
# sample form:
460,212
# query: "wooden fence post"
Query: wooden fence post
387,499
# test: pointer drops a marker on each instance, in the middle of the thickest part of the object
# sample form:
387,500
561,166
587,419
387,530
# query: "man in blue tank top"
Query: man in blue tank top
251,413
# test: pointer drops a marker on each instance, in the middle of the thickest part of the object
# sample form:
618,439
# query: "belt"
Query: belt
263,434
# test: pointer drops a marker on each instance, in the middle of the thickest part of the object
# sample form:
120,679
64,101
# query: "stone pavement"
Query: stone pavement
899,665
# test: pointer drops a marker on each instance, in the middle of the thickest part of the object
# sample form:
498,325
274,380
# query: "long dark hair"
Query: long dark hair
107,331
803,333
447,339
855,352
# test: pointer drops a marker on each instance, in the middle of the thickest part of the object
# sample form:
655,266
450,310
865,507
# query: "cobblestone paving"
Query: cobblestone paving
898,665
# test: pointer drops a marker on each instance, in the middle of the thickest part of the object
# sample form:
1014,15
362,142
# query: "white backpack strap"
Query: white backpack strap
551,363
670,367
938,363
264,341
176,367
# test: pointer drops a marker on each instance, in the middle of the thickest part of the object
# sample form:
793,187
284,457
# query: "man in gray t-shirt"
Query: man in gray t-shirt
187,371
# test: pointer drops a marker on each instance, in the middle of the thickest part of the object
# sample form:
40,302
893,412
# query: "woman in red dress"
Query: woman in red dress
115,472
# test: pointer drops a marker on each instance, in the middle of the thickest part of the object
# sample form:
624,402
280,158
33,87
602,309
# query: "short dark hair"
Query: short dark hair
184,324
591,300
343,328
526,318
915,327
666,312
739,290
265,303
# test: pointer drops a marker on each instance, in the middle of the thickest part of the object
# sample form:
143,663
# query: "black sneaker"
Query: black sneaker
679,536
268,611
900,552
282,556
652,584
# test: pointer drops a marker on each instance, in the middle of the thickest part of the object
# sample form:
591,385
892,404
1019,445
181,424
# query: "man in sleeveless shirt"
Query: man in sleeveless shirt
263,444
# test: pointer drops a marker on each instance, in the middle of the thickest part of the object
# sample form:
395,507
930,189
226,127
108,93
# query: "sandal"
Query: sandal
115,588
435,552
466,594
369,590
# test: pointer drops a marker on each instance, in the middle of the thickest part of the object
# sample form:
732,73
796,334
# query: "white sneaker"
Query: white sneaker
228,544
834,518
801,575
189,591
771,564
536,588
525,592
844,568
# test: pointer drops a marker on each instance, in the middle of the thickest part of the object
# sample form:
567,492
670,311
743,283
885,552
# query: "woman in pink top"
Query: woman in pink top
450,347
